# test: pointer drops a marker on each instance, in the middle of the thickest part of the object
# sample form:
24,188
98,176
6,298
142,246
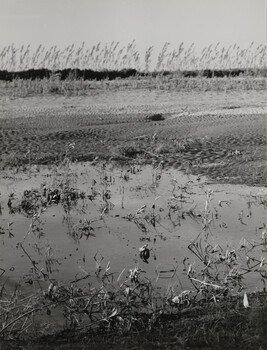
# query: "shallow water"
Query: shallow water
113,221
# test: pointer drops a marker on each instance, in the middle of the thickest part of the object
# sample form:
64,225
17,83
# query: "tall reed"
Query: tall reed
114,56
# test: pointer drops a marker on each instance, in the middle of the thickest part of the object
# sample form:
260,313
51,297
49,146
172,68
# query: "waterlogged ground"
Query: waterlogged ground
189,195
80,219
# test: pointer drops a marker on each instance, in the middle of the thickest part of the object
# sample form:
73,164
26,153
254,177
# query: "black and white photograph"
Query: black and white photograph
133,174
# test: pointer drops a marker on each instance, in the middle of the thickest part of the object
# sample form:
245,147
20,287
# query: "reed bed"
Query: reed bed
75,70
114,56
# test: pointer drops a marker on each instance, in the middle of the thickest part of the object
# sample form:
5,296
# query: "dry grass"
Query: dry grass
115,57
79,87
166,71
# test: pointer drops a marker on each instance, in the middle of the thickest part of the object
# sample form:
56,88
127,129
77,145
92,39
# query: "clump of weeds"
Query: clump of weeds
222,270
131,151
29,204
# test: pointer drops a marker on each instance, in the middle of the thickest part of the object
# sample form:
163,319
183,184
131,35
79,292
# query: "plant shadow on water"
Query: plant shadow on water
81,244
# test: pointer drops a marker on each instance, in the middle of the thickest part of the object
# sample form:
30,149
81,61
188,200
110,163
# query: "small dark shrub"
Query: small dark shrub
156,117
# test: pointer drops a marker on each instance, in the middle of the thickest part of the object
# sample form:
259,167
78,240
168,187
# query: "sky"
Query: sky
149,22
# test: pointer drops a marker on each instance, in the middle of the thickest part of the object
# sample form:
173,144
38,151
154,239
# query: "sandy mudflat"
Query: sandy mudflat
219,134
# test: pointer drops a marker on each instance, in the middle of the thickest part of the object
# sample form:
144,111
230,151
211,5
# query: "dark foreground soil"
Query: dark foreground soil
225,325
221,136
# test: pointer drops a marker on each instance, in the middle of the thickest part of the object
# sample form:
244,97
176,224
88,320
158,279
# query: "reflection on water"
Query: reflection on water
78,219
